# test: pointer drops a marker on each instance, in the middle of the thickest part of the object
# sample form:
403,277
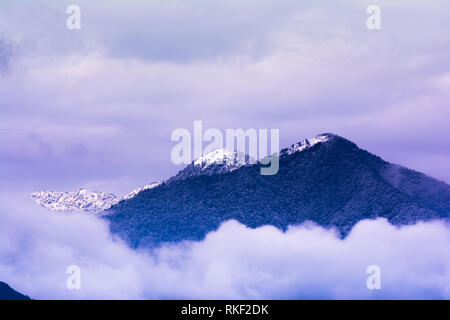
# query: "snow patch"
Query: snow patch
305,144
133,193
82,199
233,160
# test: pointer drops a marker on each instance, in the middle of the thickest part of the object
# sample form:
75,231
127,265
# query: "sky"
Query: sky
96,107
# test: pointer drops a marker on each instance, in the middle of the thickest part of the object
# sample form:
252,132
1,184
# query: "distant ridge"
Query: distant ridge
82,199
7,293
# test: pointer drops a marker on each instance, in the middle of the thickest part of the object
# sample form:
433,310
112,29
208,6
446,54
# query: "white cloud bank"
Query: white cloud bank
37,246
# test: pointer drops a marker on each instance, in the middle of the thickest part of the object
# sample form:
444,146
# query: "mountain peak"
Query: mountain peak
217,161
79,199
82,199
221,156
308,143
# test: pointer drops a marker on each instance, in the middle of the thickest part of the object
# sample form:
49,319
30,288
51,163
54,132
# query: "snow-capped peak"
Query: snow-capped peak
82,199
79,199
307,143
231,159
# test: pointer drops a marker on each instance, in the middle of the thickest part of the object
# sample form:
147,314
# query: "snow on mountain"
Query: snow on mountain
137,190
307,143
82,199
233,160
215,162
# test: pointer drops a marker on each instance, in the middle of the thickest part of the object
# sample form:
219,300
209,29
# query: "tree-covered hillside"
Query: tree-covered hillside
333,183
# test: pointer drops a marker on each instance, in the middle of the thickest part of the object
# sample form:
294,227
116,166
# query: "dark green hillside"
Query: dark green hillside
333,183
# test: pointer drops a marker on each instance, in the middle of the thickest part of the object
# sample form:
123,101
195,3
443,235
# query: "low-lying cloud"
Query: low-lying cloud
37,246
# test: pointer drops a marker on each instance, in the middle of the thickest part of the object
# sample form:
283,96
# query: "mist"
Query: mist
234,262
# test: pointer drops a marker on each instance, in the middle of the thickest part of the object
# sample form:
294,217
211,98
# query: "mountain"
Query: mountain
7,293
82,199
215,162
305,144
326,179
133,193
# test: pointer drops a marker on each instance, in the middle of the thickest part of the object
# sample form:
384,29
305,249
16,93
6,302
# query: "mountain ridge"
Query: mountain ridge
217,161
82,199
331,182
8,293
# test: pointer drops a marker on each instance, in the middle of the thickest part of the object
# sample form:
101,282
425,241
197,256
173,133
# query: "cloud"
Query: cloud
6,54
37,246
97,107
113,92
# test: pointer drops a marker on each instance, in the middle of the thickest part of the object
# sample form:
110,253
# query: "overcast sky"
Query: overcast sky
96,107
